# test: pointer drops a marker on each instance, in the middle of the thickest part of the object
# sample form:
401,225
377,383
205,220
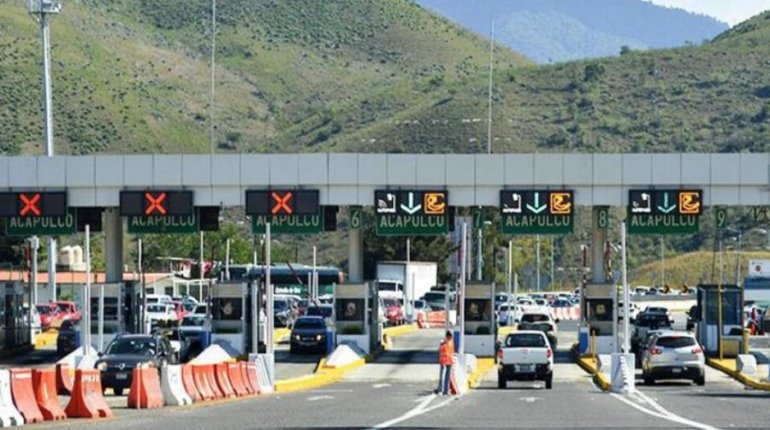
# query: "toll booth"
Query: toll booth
707,313
16,327
113,313
351,316
227,305
598,314
479,314
131,311
255,299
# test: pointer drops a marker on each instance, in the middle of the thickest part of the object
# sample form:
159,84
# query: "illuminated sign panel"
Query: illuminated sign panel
536,211
152,203
411,212
33,204
664,211
282,202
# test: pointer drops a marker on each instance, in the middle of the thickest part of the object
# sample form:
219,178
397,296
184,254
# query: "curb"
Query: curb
323,375
589,365
482,367
738,376
400,330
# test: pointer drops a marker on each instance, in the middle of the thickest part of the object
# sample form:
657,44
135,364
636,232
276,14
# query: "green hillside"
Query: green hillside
133,75
696,267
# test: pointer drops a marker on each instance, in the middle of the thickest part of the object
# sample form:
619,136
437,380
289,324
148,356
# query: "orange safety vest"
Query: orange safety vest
446,352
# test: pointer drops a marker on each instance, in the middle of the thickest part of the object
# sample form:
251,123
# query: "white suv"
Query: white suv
673,355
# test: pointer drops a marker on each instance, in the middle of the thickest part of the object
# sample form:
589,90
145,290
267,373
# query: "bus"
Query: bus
291,279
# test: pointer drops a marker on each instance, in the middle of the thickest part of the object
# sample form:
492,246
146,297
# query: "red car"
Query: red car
394,311
180,310
48,313
68,311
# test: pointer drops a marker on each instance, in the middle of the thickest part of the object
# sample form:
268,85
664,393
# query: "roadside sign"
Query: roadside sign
537,211
282,202
720,218
478,218
164,224
356,213
33,204
411,212
602,220
288,224
664,211
42,225
155,203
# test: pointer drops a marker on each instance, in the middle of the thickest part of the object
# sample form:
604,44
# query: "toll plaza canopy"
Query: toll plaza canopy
352,179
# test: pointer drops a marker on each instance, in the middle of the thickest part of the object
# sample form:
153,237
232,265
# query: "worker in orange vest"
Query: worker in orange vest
446,352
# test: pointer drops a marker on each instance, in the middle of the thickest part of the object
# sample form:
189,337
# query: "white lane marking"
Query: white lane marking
317,398
529,399
664,414
416,411
376,386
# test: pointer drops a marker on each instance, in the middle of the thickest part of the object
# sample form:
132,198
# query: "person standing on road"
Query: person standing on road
446,352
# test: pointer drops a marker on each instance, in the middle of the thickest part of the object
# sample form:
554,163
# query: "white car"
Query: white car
509,314
525,356
673,355
540,321
160,312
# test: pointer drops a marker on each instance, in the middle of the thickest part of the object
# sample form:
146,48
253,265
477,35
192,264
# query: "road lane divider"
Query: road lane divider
729,367
172,387
9,415
660,411
223,380
236,379
24,395
87,400
400,330
145,392
65,378
483,365
252,385
44,382
202,383
590,365
188,382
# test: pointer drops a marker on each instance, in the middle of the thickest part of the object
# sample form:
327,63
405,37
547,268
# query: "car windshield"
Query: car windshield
194,321
156,308
280,305
321,311
388,286
649,320
309,323
64,307
134,346
530,318
43,310
526,340
389,303
419,304
675,341
200,309
434,297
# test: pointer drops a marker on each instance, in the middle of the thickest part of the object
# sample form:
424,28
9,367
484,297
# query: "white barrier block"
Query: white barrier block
214,354
265,383
460,373
604,363
747,364
9,416
172,388
342,355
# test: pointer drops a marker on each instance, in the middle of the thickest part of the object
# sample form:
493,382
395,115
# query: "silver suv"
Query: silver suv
673,355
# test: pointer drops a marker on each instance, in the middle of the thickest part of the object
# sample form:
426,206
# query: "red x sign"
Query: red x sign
281,204
155,204
30,205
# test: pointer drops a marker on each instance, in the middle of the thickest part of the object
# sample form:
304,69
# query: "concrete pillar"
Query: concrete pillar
598,241
113,245
355,256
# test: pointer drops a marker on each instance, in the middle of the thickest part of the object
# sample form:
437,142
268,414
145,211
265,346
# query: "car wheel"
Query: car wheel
118,391
549,381
701,380
501,382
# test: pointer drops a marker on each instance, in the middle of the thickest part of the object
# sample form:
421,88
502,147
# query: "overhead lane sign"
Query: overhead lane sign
287,211
664,211
537,211
156,203
411,212
33,204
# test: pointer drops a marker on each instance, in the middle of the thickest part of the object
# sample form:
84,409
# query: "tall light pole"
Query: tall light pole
491,70
44,10
213,72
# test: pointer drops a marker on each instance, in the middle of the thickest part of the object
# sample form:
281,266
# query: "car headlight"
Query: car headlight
319,337
101,366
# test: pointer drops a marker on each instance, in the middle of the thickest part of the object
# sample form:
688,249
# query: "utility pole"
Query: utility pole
213,73
491,70
44,10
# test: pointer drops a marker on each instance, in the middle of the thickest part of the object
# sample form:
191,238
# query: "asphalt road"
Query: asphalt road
386,398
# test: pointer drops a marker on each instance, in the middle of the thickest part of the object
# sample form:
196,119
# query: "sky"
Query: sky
730,11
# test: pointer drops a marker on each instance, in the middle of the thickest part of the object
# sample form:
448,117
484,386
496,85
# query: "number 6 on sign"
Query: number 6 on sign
355,217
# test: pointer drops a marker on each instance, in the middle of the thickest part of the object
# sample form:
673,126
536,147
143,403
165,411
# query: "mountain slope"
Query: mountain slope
561,30
133,75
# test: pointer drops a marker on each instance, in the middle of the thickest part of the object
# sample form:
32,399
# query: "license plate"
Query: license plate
526,368
676,370
121,376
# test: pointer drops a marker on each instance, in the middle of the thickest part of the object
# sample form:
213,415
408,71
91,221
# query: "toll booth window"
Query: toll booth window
731,308
600,310
477,310
228,309
350,309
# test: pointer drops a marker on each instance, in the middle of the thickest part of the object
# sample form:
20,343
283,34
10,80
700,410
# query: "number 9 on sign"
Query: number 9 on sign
603,218
720,215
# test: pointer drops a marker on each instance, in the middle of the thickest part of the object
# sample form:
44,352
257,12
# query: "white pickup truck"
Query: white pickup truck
525,356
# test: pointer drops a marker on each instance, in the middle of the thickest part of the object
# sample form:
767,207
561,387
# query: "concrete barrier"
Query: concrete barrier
174,393
746,364
9,415
188,382
87,399
145,390
263,378
222,377
24,395
44,381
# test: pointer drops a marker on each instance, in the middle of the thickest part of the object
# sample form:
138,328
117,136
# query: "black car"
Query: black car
308,334
130,351
68,338
646,322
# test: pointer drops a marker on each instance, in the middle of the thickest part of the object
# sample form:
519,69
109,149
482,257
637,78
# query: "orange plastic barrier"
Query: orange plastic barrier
236,379
145,389
244,368
223,380
188,381
252,375
24,395
202,382
44,381
210,374
437,318
64,380
87,400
